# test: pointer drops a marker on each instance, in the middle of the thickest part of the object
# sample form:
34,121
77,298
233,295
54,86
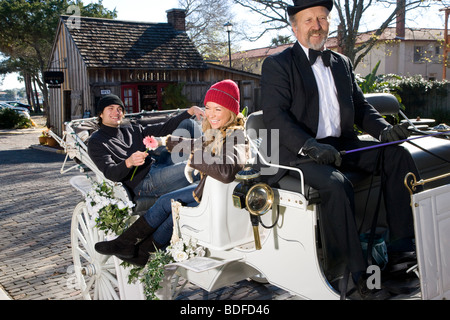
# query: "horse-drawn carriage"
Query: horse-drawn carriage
251,230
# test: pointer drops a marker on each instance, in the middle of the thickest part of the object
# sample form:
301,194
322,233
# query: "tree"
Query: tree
205,21
349,15
280,40
28,31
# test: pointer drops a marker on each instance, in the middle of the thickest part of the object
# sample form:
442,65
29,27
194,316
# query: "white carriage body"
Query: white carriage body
289,256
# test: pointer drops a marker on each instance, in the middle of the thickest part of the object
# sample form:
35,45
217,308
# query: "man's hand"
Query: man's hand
322,153
199,113
395,133
136,159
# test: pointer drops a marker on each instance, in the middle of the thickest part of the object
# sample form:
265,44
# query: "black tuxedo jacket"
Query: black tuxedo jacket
290,101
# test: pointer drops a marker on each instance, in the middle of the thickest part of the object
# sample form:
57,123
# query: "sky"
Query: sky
155,11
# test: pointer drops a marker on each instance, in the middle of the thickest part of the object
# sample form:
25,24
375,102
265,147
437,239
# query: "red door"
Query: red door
130,98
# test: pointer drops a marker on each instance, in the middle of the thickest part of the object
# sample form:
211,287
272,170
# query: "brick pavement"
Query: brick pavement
36,204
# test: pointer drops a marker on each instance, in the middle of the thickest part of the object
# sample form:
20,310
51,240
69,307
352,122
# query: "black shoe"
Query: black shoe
398,264
371,294
117,247
395,277
145,248
125,245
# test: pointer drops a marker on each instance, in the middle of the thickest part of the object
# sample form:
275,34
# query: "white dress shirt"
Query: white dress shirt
329,113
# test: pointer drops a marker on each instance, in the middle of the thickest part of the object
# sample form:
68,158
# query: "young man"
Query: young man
311,94
117,149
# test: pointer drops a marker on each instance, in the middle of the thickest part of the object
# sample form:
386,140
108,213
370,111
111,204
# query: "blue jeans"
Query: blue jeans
159,216
164,175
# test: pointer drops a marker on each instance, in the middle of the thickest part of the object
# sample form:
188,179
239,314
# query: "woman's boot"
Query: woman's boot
125,245
145,248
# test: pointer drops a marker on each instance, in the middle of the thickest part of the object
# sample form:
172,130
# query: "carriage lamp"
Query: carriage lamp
254,196
259,199
249,194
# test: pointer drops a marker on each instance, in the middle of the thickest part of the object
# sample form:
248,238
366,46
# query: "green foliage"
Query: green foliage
112,218
441,115
245,111
10,119
96,10
280,40
155,273
412,92
369,84
111,214
173,97
417,85
151,275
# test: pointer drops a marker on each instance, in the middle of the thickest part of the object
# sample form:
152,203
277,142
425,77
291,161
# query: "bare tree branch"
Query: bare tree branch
350,15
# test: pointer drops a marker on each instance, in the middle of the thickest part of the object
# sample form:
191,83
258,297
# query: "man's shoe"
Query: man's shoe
398,264
371,294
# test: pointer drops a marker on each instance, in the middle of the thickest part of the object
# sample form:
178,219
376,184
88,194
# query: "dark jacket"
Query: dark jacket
290,101
109,148
222,165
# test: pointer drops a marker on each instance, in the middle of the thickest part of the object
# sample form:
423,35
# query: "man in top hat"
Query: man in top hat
310,93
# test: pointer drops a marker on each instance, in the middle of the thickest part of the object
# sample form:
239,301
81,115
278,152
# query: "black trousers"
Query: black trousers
337,207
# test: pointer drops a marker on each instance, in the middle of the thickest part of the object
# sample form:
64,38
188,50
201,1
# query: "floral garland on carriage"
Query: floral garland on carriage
114,216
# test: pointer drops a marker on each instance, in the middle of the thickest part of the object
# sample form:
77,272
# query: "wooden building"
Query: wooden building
133,60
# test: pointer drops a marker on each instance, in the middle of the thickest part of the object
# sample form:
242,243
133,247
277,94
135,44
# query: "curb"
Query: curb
19,131
46,148
3,294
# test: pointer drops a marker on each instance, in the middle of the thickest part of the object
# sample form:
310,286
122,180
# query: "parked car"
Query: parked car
22,111
20,104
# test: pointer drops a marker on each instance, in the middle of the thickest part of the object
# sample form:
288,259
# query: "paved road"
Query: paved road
36,204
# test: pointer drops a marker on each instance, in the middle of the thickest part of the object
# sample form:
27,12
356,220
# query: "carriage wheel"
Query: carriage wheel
96,273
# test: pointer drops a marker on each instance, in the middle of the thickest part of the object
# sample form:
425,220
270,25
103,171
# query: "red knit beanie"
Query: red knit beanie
225,93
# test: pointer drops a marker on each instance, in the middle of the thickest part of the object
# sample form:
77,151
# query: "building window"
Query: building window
437,50
419,53
438,55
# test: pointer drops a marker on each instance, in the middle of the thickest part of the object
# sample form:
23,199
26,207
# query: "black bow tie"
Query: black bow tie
313,54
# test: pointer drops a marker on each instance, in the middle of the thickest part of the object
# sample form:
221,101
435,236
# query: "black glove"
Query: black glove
395,133
322,153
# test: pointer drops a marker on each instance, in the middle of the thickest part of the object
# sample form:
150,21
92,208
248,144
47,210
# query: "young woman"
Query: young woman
220,153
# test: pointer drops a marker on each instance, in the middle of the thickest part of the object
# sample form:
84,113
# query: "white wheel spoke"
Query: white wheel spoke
111,278
88,286
95,272
83,254
110,291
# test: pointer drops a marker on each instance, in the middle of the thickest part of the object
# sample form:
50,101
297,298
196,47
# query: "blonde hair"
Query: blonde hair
214,138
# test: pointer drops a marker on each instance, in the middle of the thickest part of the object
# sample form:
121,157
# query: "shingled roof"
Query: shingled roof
106,43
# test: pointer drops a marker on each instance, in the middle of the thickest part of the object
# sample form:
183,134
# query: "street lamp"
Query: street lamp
228,27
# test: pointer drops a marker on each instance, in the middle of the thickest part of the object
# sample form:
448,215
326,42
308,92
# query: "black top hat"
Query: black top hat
300,5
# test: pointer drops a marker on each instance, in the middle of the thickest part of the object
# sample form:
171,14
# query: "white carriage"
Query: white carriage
279,241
